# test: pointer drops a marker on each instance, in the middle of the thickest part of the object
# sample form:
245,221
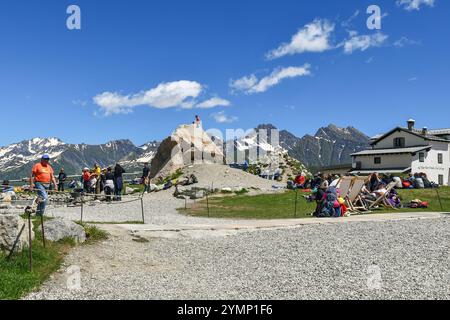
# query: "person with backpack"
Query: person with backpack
146,178
118,182
109,184
62,177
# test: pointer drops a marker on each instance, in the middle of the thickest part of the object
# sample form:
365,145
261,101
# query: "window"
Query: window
421,157
440,158
399,142
377,160
441,179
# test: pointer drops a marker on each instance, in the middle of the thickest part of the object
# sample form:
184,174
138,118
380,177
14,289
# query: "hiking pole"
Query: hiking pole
43,232
82,208
439,197
296,199
28,210
142,209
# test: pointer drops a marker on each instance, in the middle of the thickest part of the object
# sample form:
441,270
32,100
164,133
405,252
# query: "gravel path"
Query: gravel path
316,261
160,208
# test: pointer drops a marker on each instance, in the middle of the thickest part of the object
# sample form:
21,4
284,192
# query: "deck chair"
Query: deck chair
382,199
354,201
344,186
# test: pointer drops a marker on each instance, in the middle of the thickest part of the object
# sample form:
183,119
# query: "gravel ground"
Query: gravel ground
317,261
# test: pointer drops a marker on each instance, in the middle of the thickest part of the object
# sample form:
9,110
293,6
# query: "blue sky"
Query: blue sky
137,69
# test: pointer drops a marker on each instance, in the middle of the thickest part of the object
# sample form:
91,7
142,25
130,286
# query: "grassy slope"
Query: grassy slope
282,206
16,280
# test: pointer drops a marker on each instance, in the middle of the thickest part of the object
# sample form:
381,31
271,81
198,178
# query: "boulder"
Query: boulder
187,145
58,229
13,233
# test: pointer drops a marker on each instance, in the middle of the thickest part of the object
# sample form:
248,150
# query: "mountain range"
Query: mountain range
17,159
329,146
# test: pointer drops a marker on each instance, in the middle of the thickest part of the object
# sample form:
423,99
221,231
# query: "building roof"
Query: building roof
439,131
390,151
370,171
430,135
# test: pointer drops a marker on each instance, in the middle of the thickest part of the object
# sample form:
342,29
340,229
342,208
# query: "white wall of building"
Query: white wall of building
387,161
431,165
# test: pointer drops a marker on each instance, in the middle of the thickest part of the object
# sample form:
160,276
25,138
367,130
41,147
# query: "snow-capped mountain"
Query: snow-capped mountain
17,159
329,146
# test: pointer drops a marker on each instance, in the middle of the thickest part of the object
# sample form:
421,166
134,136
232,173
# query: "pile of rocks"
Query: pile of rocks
188,144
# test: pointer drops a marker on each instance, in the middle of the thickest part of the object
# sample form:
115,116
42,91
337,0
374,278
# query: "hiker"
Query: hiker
41,177
330,205
198,122
335,181
93,182
109,184
146,178
398,182
86,178
427,183
418,182
62,177
97,171
6,187
373,182
299,182
118,182
320,194
72,184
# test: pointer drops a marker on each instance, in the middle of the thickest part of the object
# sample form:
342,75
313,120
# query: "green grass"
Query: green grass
15,278
282,205
270,206
428,195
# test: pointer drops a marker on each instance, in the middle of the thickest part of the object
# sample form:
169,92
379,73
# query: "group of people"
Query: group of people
96,180
107,180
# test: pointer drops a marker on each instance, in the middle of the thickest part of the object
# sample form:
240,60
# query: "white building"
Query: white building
405,150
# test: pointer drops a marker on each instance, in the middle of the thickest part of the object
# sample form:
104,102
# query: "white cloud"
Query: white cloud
177,94
363,42
413,79
414,4
404,41
221,117
251,84
213,102
313,37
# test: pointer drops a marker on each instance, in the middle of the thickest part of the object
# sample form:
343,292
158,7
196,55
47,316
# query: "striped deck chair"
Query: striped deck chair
354,201
344,186
382,199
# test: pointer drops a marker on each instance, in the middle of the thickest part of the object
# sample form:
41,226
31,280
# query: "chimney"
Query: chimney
425,131
411,124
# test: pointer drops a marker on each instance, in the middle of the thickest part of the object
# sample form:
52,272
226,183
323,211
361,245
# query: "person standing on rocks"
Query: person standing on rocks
198,122
62,177
146,177
42,176
118,182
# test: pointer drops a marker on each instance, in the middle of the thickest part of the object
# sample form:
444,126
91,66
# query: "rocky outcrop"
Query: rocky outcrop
187,145
58,229
13,233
